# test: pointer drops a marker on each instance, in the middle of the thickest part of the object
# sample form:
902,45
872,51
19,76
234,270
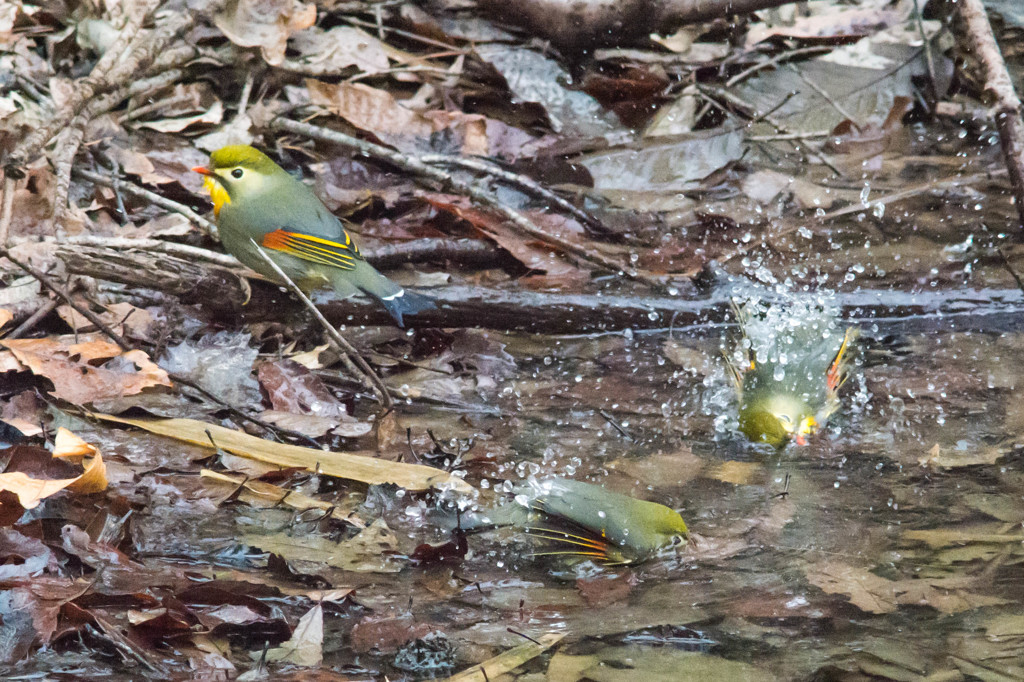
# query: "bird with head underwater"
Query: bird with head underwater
787,369
586,521
259,205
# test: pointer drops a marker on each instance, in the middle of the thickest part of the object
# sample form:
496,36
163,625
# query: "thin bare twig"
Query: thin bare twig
159,105
83,311
33,319
243,99
416,166
355,362
1007,107
527,184
116,67
929,60
152,197
7,210
1009,268
824,95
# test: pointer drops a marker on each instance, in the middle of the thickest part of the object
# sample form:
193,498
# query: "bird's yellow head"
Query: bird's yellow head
665,522
777,419
235,170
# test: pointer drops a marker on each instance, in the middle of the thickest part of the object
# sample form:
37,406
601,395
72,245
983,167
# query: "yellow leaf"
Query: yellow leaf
339,464
946,537
67,444
32,491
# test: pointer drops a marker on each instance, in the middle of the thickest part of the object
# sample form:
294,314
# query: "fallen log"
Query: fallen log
877,311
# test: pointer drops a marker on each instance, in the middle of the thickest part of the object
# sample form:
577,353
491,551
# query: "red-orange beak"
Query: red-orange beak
202,170
801,439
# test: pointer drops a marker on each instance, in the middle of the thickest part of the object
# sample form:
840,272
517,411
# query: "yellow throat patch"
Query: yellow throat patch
218,194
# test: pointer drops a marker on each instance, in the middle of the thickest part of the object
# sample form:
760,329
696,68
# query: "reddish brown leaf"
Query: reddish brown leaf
386,634
290,387
527,250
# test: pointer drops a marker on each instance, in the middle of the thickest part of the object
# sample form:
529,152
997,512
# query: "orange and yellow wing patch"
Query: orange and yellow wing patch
837,371
314,249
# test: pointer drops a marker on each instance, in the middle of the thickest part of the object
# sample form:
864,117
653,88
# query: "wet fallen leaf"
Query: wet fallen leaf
875,594
265,24
858,82
386,634
306,646
737,473
663,664
262,494
23,557
662,164
508,661
290,387
72,368
953,458
371,550
945,537
339,464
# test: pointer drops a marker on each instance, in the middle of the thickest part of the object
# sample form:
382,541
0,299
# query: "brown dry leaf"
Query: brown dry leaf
263,494
265,24
76,379
507,661
875,594
9,363
211,116
137,163
306,646
32,491
376,111
528,251
311,358
5,316
339,48
122,317
828,21
472,129
339,464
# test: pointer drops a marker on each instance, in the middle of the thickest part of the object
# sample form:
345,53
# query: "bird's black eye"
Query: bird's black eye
237,173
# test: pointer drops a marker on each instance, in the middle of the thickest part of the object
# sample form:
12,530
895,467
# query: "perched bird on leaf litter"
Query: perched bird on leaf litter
587,521
787,369
258,205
